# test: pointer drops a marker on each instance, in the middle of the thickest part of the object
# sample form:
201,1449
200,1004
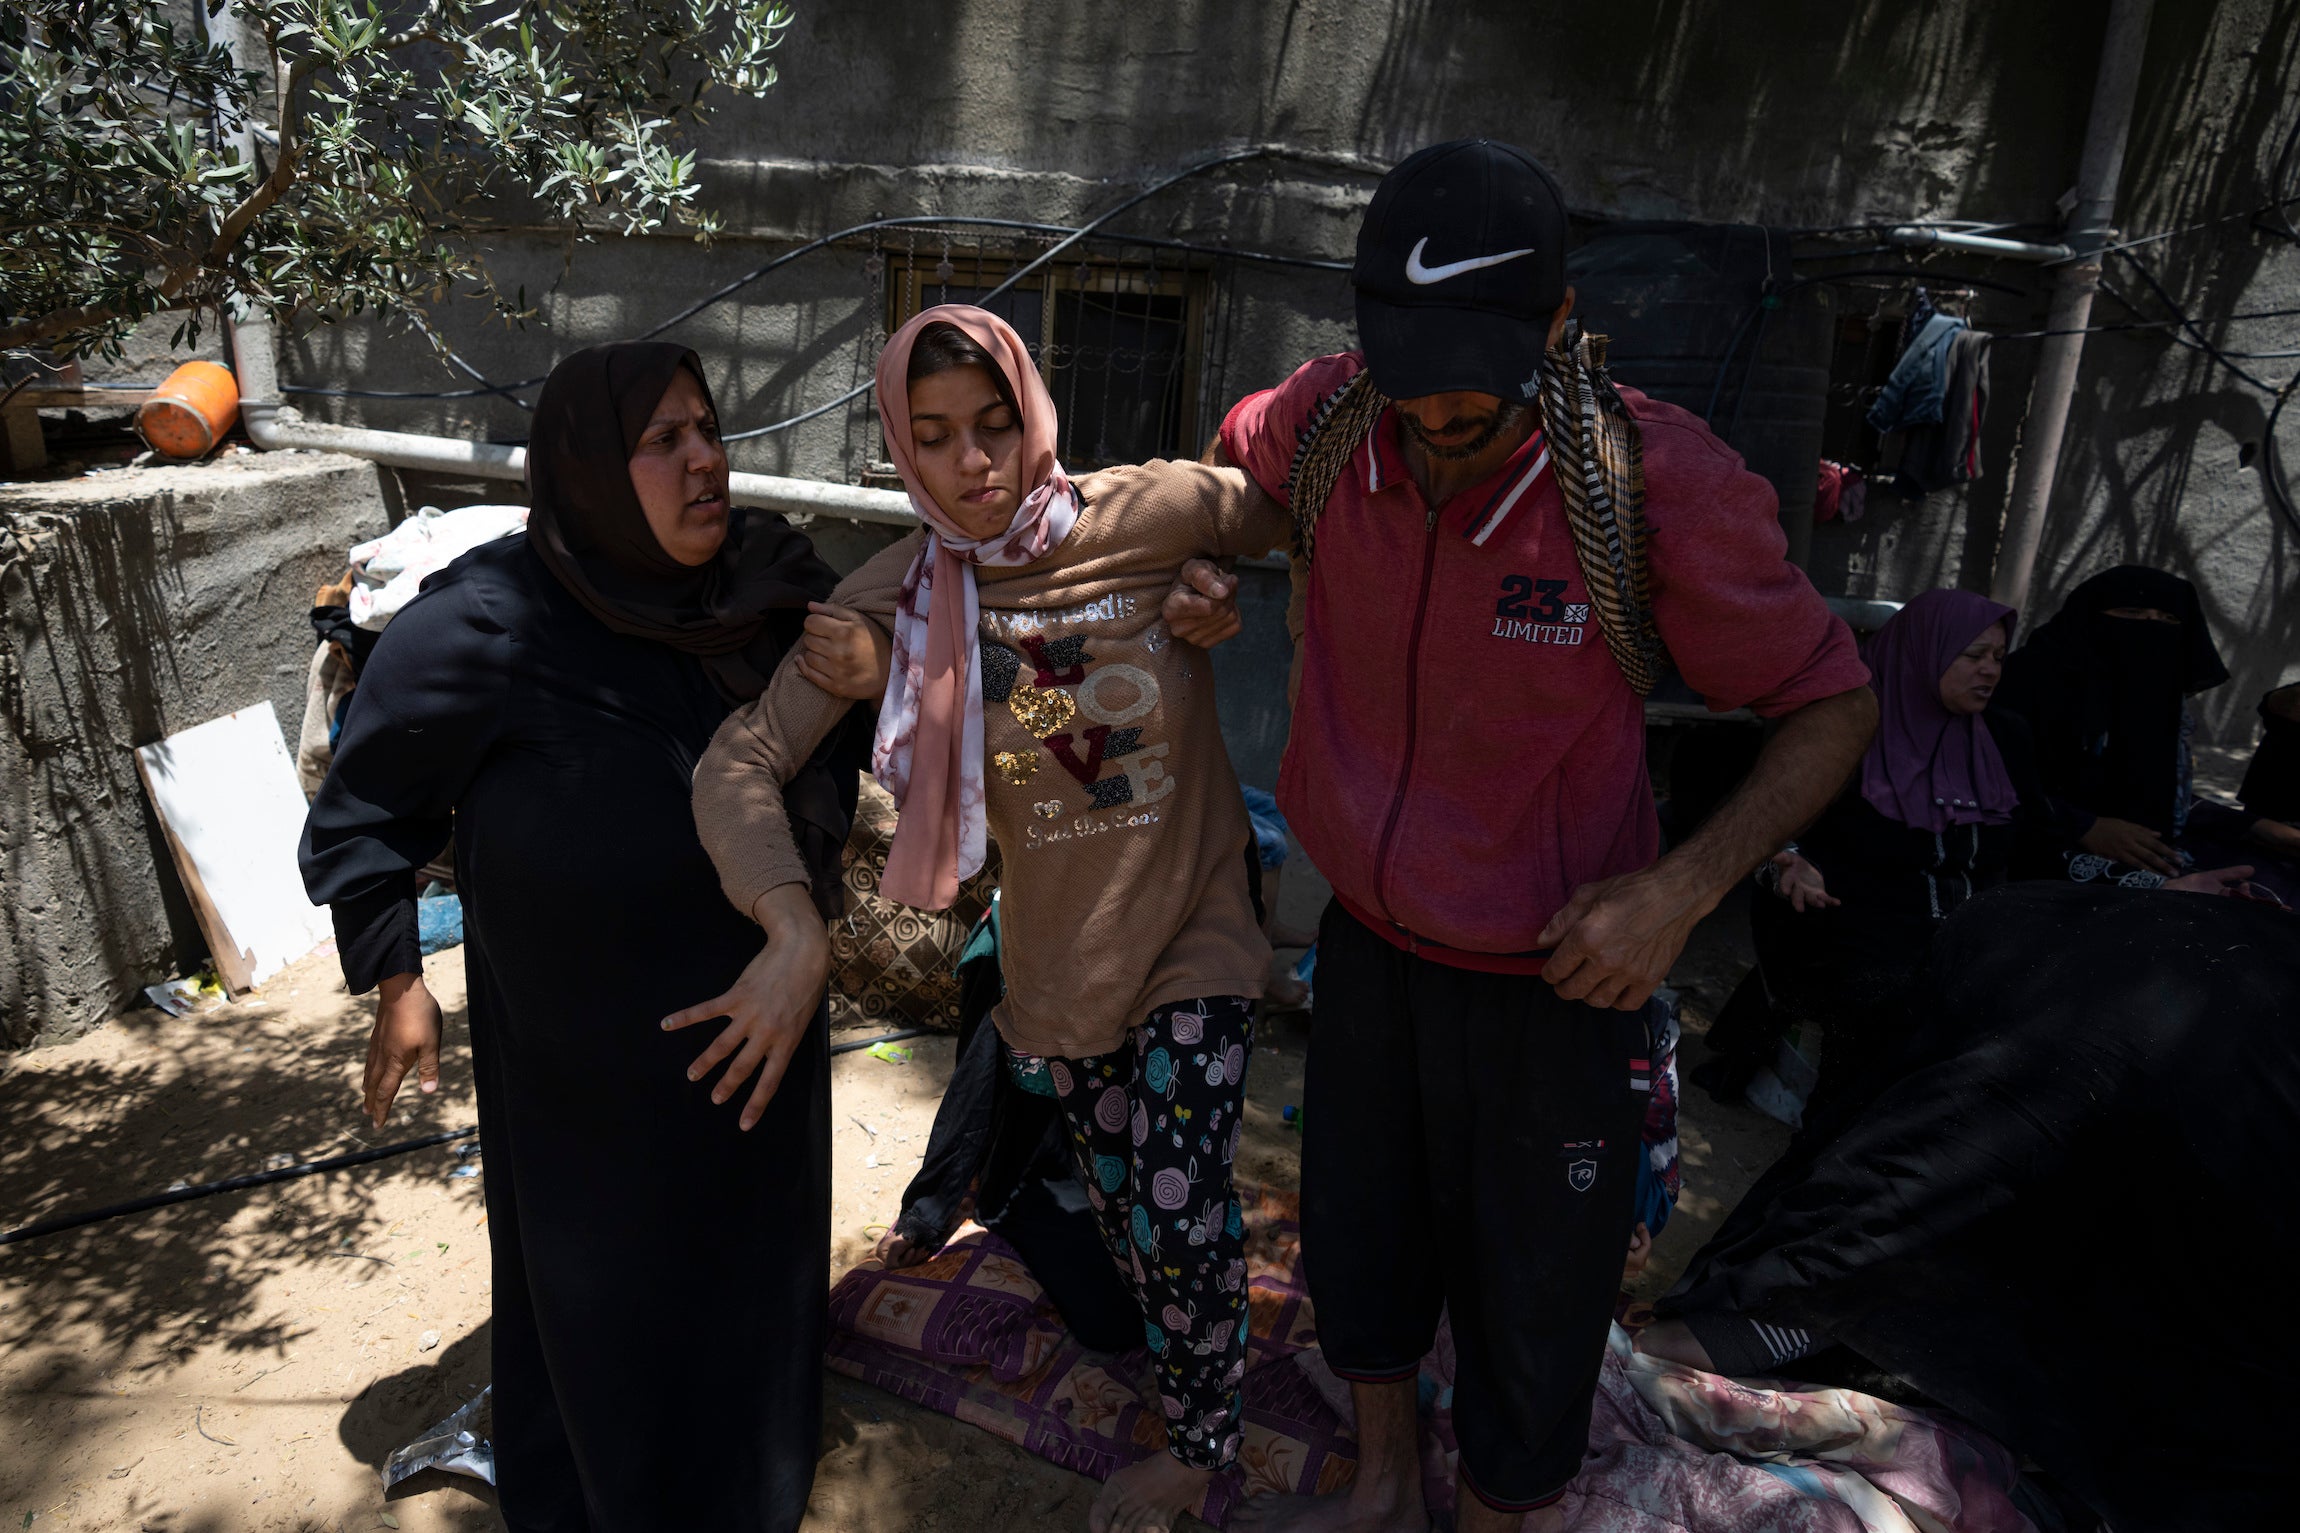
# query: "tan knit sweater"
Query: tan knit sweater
1108,788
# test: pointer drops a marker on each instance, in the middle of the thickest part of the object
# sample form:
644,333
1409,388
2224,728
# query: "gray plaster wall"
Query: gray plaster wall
1770,111
132,605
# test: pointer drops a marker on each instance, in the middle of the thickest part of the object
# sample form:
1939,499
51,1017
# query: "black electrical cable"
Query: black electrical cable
2272,460
1925,273
1084,231
2186,323
853,1044
63,1222
1199,247
2279,179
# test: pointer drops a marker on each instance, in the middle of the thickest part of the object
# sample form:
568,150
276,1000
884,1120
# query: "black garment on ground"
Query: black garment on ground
2102,695
1470,1145
2272,782
1850,967
2049,1220
659,1276
1009,1147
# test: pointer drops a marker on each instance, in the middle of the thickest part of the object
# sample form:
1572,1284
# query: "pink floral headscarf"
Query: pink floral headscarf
928,750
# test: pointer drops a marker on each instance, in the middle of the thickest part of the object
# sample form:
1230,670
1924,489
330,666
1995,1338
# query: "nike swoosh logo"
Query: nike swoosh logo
1423,276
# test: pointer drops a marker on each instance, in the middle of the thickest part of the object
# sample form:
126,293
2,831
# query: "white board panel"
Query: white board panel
227,798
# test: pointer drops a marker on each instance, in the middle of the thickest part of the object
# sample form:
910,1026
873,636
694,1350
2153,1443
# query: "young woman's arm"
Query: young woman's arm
741,821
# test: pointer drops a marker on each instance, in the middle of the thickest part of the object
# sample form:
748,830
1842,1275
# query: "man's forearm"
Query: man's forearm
1810,754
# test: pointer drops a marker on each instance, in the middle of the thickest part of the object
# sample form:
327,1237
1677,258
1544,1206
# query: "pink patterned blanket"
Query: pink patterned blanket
1671,1450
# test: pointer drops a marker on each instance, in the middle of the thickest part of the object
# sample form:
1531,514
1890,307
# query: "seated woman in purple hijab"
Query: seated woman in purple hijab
1927,822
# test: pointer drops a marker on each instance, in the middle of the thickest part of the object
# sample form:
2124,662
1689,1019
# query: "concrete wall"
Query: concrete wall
1771,111
1775,112
132,605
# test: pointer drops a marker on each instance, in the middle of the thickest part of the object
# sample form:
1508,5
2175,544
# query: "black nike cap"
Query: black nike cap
1461,263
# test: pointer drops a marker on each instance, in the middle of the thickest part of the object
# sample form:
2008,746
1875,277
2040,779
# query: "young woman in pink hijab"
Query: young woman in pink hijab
1036,695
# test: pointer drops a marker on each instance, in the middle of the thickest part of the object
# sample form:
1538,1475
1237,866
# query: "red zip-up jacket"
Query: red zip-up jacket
1465,753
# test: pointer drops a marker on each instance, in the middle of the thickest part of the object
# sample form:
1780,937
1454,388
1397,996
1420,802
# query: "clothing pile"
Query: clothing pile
386,572
382,575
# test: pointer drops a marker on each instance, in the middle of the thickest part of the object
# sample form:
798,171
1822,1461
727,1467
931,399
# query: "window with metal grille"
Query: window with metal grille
1120,341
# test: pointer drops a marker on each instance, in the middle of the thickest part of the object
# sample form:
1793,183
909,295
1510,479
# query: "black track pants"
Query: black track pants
1470,1146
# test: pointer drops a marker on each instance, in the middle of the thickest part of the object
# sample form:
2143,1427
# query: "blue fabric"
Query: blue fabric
1269,827
438,922
1653,1203
1913,394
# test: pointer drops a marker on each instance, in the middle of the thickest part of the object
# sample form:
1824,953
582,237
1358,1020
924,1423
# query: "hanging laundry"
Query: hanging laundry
1842,491
1948,452
1913,394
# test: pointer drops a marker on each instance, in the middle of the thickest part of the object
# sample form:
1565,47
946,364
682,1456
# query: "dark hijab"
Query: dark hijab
739,612
2104,694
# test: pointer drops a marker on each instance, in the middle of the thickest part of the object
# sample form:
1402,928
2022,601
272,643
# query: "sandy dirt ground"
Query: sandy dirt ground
246,1361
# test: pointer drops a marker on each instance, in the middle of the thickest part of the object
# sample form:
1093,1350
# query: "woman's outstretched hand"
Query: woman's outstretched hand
2222,881
771,1005
405,1037
2134,845
844,653
1801,884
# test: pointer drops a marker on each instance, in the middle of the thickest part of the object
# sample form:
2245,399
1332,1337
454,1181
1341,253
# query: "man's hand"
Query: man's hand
1202,609
1614,941
2135,845
405,1036
844,653
1800,883
771,1005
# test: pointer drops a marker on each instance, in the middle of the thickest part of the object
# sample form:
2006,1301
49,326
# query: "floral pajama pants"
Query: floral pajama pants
1155,1123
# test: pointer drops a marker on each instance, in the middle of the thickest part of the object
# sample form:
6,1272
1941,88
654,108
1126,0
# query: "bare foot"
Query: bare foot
1340,1512
1147,1497
1672,1341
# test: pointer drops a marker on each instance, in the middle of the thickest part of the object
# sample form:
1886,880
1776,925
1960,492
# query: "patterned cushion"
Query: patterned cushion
890,963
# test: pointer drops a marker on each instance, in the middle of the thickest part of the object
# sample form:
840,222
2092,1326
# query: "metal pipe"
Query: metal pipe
2062,348
274,426
1919,237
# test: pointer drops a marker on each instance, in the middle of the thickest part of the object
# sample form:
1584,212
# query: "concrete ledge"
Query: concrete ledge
135,603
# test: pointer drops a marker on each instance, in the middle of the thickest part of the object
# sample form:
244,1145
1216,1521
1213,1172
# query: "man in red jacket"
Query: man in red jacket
1467,767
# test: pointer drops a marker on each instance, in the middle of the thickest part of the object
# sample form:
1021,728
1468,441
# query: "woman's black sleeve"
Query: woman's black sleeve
2043,816
429,706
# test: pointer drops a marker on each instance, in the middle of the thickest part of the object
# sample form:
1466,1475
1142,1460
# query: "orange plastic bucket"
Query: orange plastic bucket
190,413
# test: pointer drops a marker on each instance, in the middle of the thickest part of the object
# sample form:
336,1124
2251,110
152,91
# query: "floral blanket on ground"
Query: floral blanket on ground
969,1333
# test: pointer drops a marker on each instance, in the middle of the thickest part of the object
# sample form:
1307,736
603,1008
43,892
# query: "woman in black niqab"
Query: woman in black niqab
659,1272
2106,688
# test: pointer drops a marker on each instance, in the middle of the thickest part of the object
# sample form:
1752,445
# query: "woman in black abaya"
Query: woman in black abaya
660,1261
2104,689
